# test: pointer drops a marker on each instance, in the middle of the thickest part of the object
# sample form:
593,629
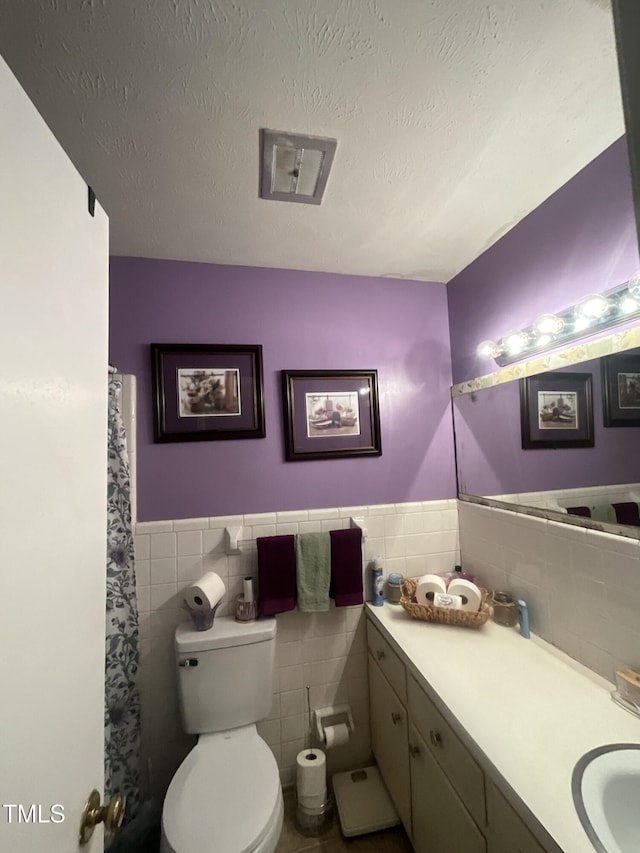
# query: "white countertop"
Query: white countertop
521,705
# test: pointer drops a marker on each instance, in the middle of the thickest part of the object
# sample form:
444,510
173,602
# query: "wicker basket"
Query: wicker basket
444,615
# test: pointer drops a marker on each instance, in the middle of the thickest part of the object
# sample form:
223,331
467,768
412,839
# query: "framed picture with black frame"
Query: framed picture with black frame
330,414
207,392
556,411
621,389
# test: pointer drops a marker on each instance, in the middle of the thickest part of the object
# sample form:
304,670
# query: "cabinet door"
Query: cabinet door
441,823
465,775
389,741
507,831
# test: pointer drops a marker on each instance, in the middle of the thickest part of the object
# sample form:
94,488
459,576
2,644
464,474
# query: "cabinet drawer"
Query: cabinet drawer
507,831
389,740
388,661
465,775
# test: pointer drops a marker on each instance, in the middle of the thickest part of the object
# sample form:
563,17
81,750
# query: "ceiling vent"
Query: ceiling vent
294,167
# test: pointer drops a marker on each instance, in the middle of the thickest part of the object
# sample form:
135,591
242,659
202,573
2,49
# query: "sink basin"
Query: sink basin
606,793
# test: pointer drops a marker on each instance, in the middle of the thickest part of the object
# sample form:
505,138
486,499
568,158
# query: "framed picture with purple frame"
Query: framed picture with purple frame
207,392
330,414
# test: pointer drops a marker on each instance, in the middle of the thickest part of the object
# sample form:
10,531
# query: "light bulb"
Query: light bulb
515,342
543,340
629,305
581,324
548,324
487,349
592,307
633,287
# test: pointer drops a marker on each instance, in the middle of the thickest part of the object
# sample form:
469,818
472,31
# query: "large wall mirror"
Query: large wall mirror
586,485
563,481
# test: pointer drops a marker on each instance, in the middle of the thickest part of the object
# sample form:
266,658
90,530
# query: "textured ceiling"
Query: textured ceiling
454,119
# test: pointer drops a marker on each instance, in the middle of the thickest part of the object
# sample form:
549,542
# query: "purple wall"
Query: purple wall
304,321
580,240
491,459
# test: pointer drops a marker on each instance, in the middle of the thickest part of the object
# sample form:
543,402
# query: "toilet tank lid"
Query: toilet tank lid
224,633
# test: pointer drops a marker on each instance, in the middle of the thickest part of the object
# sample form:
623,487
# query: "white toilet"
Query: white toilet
226,795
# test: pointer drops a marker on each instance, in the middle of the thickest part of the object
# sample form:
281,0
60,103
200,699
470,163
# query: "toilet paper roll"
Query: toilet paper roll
336,735
471,595
311,778
247,588
427,586
205,593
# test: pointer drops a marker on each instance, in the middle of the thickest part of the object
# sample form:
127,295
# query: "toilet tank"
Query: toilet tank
225,674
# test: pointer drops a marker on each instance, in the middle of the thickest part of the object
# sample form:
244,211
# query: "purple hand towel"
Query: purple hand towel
346,567
276,574
627,513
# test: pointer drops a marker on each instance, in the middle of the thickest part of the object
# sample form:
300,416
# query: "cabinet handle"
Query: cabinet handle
414,751
395,718
380,654
435,738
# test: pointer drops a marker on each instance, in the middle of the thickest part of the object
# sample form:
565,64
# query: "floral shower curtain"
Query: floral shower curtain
122,704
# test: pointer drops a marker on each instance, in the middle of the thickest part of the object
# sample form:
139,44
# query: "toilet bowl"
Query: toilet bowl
226,797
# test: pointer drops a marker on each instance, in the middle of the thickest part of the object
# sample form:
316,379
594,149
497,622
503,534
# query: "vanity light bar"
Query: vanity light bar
594,313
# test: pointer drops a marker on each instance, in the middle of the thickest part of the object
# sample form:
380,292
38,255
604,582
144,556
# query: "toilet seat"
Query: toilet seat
225,796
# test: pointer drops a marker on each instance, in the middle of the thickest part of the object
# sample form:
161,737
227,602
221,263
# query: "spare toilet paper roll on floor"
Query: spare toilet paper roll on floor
205,593
427,587
471,595
336,735
311,778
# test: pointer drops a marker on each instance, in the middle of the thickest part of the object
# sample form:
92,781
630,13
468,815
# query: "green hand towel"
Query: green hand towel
313,571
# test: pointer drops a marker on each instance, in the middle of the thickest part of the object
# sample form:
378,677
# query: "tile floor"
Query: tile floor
331,840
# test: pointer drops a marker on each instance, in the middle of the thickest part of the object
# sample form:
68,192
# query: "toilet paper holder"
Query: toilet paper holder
333,715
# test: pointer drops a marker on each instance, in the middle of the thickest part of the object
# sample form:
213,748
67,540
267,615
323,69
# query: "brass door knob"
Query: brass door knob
93,814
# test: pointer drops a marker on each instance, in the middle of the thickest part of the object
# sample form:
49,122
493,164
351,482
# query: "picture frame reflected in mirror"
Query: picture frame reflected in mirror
556,410
621,389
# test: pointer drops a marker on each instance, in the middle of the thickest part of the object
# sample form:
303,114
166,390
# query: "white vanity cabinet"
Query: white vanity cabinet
401,722
439,790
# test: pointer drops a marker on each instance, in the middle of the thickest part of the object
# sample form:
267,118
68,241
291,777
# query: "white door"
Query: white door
53,384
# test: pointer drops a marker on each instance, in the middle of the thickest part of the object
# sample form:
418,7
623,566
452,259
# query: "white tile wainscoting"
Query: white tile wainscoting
582,586
326,651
